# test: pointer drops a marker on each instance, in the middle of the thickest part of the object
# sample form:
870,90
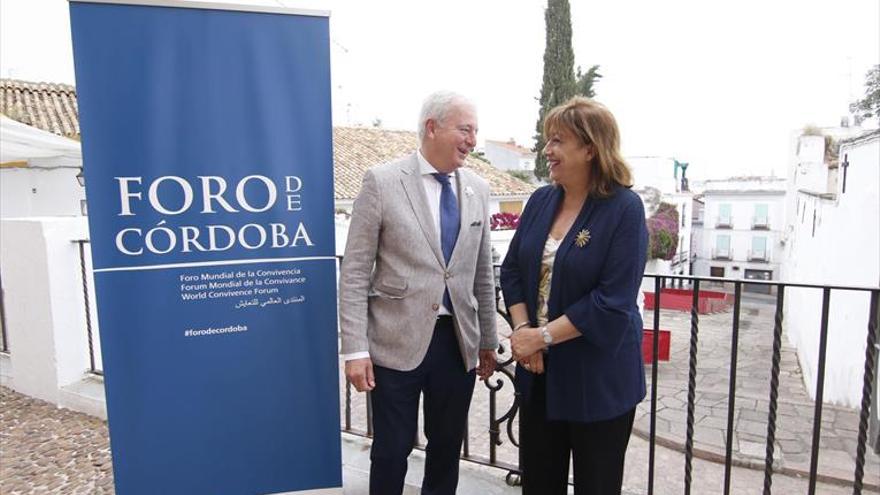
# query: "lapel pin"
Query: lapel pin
582,238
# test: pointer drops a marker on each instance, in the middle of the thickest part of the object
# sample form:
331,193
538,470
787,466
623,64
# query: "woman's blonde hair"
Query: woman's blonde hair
592,123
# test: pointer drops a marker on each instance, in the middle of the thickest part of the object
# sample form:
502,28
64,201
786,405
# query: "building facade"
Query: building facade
832,236
741,231
507,155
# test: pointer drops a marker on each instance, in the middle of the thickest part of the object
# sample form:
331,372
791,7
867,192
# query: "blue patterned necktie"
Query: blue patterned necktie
450,224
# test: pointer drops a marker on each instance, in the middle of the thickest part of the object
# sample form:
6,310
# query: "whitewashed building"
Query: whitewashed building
38,172
507,155
742,224
661,179
832,237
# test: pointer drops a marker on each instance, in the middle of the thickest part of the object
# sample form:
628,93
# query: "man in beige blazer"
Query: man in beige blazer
416,297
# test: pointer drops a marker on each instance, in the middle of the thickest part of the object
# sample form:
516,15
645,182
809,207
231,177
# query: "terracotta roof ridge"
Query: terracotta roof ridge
37,85
374,129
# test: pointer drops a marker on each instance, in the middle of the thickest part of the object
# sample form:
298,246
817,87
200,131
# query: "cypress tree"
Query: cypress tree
586,80
559,82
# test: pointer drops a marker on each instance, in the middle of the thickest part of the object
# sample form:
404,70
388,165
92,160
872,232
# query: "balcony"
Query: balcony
760,223
728,413
760,256
723,223
722,254
706,411
681,257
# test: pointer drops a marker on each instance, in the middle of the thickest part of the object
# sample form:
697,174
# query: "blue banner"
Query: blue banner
207,143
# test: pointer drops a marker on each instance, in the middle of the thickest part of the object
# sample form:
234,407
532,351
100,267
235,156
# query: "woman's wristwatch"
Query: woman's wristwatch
545,334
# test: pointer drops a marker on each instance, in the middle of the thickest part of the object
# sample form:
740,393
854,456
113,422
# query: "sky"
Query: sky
722,85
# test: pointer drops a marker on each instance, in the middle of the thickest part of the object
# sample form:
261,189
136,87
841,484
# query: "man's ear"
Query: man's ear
430,127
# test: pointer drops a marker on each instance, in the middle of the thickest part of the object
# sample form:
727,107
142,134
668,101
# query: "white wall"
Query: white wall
34,191
45,315
842,249
504,158
742,211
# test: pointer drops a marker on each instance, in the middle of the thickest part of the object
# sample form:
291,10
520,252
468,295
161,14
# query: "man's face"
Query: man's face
452,139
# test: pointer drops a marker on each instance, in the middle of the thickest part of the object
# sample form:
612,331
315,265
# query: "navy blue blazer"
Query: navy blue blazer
599,375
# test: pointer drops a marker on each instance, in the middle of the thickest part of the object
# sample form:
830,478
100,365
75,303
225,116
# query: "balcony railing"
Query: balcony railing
681,257
723,223
759,223
4,342
758,255
722,254
85,269
501,424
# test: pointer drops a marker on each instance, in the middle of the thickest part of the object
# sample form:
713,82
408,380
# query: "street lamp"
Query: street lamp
83,206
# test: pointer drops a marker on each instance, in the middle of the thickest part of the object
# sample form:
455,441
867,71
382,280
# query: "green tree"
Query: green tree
869,106
559,83
585,81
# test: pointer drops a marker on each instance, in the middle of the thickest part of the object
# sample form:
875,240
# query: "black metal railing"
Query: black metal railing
503,424
4,341
87,278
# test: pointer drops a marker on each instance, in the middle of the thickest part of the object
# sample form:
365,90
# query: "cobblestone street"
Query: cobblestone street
44,449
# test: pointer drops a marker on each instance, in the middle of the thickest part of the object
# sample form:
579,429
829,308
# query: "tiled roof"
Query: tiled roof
355,149
46,106
53,108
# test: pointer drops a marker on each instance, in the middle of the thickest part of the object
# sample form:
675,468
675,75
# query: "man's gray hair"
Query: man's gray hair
437,106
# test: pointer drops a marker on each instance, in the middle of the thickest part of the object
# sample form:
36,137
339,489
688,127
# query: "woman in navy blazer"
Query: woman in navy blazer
570,281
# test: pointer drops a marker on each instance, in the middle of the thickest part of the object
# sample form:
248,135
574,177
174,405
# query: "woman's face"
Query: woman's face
568,158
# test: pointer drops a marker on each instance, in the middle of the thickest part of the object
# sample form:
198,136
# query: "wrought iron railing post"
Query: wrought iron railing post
369,414
731,394
85,288
347,405
820,391
4,342
466,443
655,352
692,390
774,390
867,389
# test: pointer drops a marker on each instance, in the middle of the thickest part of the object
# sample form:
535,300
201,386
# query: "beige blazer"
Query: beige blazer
393,274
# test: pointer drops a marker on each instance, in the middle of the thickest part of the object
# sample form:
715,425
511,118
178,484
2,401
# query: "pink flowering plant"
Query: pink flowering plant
663,232
504,221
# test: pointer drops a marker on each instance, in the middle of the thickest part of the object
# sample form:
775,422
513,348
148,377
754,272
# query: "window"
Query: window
722,246
723,216
510,207
759,248
761,220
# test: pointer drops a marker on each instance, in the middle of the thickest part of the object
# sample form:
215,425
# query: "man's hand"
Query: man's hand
487,364
360,373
